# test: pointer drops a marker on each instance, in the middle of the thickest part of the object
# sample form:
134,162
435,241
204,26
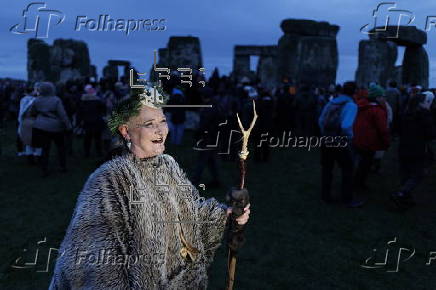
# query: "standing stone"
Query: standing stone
38,55
318,61
398,74
267,67
288,57
376,62
181,52
69,60
184,51
376,56
110,71
266,70
415,66
163,58
307,52
65,60
241,66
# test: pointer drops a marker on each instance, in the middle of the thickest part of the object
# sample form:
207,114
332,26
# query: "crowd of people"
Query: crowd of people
369,118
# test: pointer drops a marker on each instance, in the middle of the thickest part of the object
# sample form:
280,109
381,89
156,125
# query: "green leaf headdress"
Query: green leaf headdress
152,96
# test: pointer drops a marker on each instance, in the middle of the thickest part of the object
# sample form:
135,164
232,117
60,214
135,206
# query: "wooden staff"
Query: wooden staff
236,236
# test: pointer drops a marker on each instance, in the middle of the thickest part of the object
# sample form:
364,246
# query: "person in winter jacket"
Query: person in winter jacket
380,153
371,133
25,125
51,122
417,128
90,113
338,154
141,216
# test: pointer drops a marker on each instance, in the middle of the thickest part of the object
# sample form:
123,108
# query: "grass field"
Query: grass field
294,241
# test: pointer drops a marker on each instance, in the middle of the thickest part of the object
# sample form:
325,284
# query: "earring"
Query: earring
129,143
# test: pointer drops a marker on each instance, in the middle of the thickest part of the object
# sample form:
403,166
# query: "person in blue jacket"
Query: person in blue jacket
336,122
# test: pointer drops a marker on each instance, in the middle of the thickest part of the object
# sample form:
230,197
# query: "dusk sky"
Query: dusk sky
219,24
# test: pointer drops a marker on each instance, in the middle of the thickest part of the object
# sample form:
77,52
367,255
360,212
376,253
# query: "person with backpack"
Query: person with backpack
371,133
336,120
417,129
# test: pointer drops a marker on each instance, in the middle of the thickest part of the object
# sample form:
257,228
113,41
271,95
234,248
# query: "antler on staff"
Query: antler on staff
246,134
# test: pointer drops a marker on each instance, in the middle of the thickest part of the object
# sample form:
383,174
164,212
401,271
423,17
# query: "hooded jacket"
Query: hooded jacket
139,224
348,114
50,114
371,128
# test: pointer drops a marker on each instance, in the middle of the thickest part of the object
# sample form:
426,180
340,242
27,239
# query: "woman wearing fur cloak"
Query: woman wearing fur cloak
139,223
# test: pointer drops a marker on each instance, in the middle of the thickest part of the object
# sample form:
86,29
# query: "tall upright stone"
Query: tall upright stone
376,55
241,64
65,60
69,60
376,62
38,55
184,51
181,52
110,72
266,70
267,67
307,52
415,66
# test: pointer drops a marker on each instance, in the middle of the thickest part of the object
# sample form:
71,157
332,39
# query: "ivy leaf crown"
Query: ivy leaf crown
152,96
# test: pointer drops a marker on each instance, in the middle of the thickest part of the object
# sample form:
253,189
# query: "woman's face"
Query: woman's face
147,132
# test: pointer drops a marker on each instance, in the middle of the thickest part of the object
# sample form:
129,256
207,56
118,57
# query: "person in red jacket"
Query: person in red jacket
371,133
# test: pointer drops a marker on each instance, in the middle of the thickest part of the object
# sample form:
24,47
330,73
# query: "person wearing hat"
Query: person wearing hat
416,130
371,133
139,223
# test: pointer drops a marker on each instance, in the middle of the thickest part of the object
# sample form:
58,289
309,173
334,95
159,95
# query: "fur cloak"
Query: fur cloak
133,219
